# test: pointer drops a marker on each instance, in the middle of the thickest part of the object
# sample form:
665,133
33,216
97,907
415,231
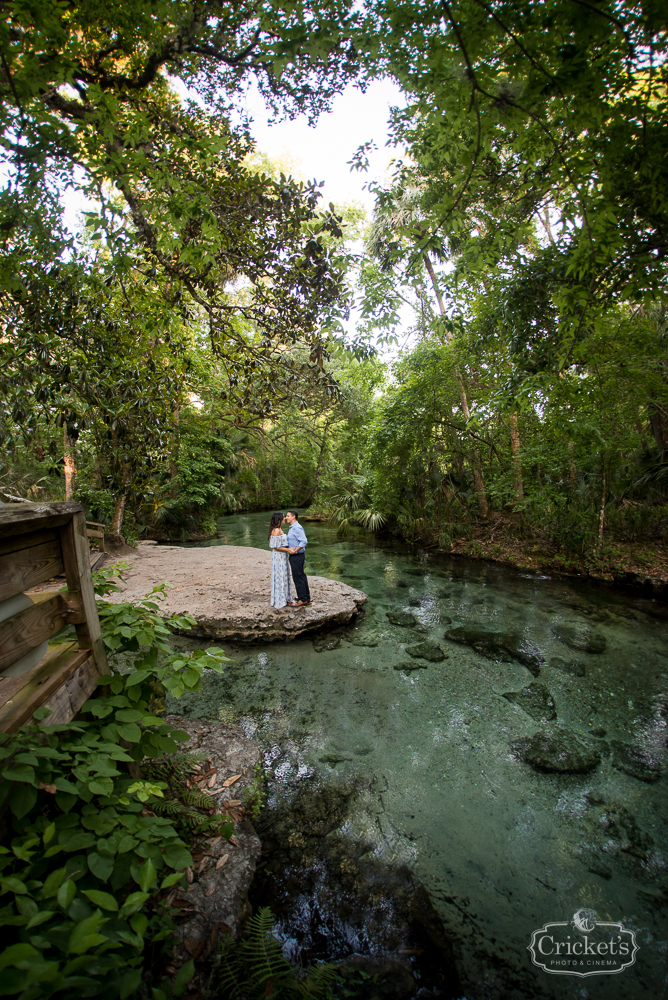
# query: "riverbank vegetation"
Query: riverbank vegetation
500,387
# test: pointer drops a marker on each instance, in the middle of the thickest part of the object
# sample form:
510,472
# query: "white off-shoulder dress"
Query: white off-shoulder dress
280,572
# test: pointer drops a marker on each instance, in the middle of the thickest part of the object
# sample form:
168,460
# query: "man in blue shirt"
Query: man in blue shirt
297,542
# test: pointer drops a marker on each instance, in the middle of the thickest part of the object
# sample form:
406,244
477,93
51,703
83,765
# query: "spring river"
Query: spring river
417,770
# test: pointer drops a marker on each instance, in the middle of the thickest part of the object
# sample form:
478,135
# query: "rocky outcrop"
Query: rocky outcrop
216,901
504,645
535,700
226,589
333,894
580,638
559,750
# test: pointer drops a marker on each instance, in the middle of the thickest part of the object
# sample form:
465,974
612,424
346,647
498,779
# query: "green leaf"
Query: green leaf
183,977
171,880
102,899
147,875
130,732
84,936
66,894
100,865
39,918
177,856
15,885
19,772
130,983
16,953
134,902
23,799
53,883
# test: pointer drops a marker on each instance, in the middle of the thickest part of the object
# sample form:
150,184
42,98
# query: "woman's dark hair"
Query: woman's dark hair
276,522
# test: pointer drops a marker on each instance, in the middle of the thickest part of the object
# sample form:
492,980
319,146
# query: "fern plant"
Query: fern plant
190,809
255,968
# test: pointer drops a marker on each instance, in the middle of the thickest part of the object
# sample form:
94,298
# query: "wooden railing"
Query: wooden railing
38,542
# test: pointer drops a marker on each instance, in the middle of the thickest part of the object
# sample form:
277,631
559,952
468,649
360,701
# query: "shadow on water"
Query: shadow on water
479,753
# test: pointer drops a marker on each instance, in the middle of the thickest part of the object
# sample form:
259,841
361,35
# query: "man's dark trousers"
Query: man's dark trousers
299,576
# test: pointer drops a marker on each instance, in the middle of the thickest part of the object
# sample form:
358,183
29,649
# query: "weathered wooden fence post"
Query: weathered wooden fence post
37,542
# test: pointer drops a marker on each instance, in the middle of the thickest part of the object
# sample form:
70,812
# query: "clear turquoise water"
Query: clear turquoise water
501,848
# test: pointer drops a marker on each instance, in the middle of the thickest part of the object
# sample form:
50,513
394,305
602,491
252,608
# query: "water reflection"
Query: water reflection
501,847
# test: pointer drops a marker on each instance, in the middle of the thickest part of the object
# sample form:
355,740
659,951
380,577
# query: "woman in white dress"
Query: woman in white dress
280,567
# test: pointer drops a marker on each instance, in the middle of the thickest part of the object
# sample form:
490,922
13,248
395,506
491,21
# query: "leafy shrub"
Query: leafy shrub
86,867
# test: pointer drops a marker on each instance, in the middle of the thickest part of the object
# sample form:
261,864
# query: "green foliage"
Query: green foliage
255,968
88,867
256,793
190,809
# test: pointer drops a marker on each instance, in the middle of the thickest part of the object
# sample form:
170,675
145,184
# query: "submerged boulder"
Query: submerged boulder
573,667
504,645
426,651
580,638
322,643
631,760
401,618
410,665
559,750
535,700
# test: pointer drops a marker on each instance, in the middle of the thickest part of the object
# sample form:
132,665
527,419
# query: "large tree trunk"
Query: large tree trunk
601,516
173,466
572,471
70,464
476,463
515,452
117,516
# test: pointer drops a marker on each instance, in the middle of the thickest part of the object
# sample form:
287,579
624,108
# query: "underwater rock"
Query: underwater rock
333,759
410,665
579,638
360,639
497,644
392,976
426,651
621,825
627,758
598,867
443,594
598,731
334,896
400,618
559,750
325,642
535,700
573,667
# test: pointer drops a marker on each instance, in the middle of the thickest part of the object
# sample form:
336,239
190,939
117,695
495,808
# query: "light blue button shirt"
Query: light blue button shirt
297,537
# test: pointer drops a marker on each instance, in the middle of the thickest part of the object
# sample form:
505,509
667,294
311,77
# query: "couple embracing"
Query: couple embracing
292,548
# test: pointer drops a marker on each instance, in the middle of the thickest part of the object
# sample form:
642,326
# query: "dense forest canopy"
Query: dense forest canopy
504,380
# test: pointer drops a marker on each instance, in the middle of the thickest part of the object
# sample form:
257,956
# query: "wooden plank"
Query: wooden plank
49,613
96,558
70,696
40,688
22,518
10,686
21,570
94,534
76,557
19,542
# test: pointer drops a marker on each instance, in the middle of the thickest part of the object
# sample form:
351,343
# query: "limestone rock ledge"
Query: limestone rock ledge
226,589
216,900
